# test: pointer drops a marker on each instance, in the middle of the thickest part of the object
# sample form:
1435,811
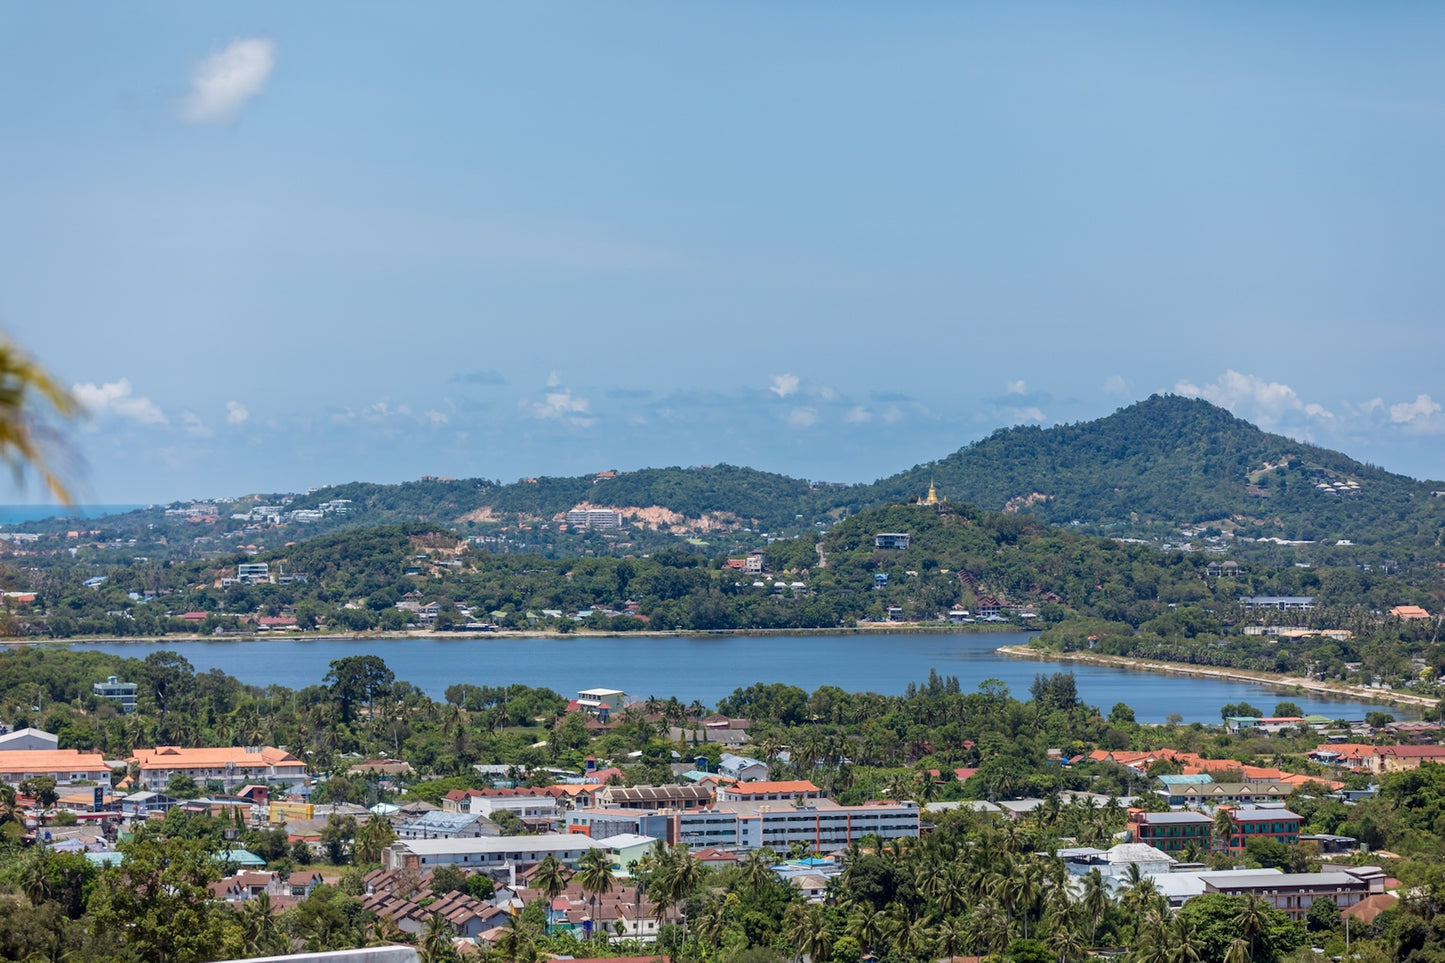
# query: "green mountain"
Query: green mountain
1149,469
1177,461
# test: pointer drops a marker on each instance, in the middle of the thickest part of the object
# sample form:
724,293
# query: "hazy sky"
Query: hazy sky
281,245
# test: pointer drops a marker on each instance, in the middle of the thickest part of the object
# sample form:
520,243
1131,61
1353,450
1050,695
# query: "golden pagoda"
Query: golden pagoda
932,497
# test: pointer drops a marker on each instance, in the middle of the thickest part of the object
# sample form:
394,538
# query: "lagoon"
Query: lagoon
709,668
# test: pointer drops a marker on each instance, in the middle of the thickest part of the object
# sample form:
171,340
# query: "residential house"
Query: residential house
742,768
445,825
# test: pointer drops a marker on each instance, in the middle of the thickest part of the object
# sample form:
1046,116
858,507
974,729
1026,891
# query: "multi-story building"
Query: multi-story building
594,518
500,853
1254,822
121,693
1294,893
1171,832
253,572
1283,603
819,825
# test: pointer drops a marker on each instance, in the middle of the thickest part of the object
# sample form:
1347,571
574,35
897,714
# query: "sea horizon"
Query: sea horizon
17,514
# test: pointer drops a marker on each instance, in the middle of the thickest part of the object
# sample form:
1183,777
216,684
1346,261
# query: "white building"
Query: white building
122,693
594,518
489,853
22,739
594,699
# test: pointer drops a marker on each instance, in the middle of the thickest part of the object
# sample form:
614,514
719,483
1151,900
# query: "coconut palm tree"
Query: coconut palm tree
808,932
1223,829
594,875
29,399
1250,920
757,870
1095,902
436,940
912,938
550,878
1238,952
515,944
1065,945
866,925
1186,945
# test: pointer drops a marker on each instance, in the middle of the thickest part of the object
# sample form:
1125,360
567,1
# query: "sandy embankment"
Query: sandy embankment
1273,679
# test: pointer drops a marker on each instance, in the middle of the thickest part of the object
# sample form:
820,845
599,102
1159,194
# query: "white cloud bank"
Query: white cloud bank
1421,415
1265,402
236,413
225,81
114,398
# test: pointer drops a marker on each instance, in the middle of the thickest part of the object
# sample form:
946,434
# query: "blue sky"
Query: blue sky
282,245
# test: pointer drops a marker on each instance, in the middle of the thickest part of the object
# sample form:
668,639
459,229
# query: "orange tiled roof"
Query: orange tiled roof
768,788
174,757
51,760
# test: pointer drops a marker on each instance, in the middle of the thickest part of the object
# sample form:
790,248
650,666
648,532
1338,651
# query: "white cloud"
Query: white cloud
1017,387
553,379
435,417
1261,401
115,398
224,81
563,404
1422,414
1031,413
236,413
195,426
827,393
893,414
802,417
1116,385
857,415
784,385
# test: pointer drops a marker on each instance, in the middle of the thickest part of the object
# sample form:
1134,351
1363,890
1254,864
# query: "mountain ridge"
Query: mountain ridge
1150,468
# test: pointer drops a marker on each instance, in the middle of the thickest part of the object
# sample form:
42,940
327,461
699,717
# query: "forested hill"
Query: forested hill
1148,469
1177,461
752,497
1167,461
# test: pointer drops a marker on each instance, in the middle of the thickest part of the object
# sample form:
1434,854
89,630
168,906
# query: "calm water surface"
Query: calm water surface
708,669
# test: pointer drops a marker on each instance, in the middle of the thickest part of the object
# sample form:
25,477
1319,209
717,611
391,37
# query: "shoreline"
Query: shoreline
880,629
1274,680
